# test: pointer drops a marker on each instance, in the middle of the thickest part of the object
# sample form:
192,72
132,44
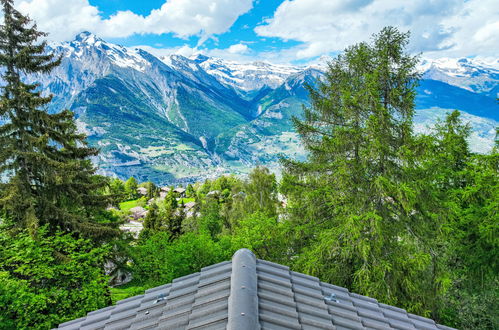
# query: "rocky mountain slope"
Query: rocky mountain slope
178,119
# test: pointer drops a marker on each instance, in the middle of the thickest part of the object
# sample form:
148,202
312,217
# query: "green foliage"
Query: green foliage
117,190
262,234
172,220
131,186
211,221
152,189
472,307
261,192
477,223
152,222
158,260
256,194
190,192
50,280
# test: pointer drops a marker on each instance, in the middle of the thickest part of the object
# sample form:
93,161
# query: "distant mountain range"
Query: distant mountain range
178,119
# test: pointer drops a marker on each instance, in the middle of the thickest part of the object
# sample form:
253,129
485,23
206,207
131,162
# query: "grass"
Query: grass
126,206
186,200
124,291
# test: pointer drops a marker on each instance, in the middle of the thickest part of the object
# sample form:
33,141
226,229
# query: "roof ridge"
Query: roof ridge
243,300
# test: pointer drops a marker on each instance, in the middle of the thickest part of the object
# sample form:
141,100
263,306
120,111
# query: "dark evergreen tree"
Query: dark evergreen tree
176,221
152,222
50,177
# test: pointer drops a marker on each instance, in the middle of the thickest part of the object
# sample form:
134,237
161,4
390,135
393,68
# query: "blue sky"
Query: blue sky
241,32
290,31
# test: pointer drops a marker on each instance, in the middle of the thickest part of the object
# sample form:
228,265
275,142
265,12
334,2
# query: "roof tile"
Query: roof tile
245,294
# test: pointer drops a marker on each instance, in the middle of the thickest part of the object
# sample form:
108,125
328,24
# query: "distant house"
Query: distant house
133,227
138,212
190,209
180,191
165,189
247,294
213,193
189,205
142,191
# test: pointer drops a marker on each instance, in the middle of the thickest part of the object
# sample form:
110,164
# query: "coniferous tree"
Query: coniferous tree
152,222
352,201
50,177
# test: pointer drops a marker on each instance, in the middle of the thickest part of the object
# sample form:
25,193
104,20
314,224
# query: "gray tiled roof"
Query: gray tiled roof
248,293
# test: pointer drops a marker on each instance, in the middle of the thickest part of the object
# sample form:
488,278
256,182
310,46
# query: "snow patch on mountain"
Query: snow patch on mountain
246,76
87,45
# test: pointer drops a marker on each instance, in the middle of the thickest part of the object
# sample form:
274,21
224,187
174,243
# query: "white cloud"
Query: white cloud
63,19
238,49
443,27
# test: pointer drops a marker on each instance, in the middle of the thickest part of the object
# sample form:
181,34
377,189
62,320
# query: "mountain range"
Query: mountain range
175,119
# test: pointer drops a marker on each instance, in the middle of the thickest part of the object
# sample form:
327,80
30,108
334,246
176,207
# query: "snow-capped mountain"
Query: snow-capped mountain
246,77
475,75
179,119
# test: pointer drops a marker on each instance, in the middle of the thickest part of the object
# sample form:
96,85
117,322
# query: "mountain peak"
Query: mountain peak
87,37
199,58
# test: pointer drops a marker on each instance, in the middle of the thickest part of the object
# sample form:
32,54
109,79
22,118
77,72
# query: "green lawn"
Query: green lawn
126,206
126,290
186,200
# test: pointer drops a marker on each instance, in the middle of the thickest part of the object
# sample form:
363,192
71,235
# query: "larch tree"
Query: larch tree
354,208
48,177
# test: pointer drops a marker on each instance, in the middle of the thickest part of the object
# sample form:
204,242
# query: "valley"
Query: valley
175,120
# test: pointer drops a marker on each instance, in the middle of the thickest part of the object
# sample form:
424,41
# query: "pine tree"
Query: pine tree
50,177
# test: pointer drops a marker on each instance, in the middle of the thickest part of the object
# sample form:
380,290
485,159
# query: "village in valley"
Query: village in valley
135,215
183,203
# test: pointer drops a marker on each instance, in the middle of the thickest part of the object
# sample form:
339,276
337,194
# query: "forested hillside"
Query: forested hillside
411,220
